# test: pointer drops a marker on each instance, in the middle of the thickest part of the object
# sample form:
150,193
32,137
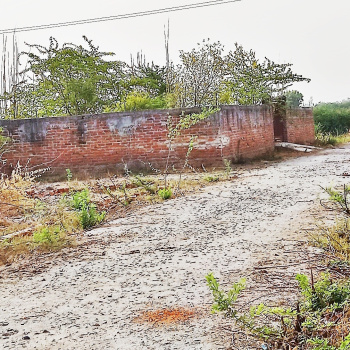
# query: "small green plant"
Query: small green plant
165,193
149,186
283,328
225,301
80,199
211,178
324,344
48,236
89,216
69,175
186,163
228,167
324,294
340,197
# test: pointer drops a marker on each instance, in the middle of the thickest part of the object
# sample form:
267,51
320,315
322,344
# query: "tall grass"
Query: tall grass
323,138
333,118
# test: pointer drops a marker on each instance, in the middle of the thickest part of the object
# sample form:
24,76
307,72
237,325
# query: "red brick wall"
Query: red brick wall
300,125
94,144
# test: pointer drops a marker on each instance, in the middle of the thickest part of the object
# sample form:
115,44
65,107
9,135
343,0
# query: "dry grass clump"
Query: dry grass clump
14,200
43,217
133,190
335,240
28,224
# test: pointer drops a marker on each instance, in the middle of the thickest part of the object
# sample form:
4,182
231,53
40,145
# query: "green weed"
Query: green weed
89,216
325,294
228,167
148,185
69,175
211,178
46,235
324,138
335,240
340,198
307,326
165,193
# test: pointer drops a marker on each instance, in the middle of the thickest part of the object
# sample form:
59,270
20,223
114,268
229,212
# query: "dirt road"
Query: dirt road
158,257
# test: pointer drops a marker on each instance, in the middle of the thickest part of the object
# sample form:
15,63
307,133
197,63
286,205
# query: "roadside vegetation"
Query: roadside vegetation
320,318
333,117
41,217
33,222
332,123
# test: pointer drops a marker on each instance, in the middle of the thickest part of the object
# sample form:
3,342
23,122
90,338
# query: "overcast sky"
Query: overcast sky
313,35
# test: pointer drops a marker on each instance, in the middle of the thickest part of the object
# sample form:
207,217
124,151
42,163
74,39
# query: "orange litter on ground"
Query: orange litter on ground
166,316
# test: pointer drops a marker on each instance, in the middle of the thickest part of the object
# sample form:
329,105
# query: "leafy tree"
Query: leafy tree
250,82
207,77
294,98
196,81
145,87
70,80
146,77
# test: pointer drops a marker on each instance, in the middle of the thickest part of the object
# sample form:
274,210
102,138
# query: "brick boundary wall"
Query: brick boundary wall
300,125
92,145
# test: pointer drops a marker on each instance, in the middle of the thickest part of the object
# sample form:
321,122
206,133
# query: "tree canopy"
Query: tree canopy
294,98
74,79
208,77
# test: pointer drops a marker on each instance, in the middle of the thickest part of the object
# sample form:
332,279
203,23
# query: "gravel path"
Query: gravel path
158,257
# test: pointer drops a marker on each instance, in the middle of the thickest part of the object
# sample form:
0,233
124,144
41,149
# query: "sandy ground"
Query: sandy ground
158,257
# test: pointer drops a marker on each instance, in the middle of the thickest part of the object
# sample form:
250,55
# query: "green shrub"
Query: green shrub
333,118
88,214
165,193
69,175
287,328
46,235
323,138
324,294
137,101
